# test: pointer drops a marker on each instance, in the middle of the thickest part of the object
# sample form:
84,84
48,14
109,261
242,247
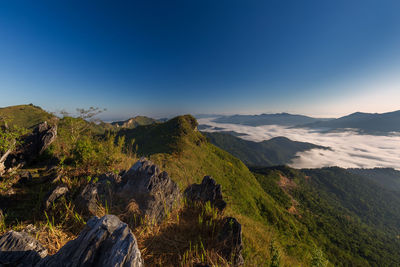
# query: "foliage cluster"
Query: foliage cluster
89,146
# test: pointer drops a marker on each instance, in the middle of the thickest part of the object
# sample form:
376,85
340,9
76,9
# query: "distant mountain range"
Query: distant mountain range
371,123
365,122
276,151
284,119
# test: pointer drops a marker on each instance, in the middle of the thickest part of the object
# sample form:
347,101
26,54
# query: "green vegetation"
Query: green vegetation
276,151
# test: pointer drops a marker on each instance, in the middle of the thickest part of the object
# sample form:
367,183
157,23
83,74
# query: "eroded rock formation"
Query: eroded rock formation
208,190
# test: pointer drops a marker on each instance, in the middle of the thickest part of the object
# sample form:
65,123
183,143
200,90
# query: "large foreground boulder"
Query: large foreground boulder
207,191
20,249
153,190
231,239
105,241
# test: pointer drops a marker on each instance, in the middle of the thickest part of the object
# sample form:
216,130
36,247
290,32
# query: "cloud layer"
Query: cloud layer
349,149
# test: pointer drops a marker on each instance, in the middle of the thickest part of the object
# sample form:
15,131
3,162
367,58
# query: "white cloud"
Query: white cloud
349,149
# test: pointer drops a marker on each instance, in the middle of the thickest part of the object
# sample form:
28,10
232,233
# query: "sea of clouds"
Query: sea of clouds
348,149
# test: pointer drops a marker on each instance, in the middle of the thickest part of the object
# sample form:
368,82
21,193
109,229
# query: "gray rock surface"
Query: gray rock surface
20,249
231,239
208,190
105,241
153,190
55,194
99,191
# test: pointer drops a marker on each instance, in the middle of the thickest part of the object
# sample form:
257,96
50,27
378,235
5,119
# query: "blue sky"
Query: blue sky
159,58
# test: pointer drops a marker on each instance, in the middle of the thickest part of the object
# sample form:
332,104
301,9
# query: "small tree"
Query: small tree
318,259
10,138
275,255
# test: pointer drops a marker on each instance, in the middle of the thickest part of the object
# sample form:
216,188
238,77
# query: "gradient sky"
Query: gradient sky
158,58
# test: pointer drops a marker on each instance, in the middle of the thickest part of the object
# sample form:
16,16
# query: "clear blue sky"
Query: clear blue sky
158,58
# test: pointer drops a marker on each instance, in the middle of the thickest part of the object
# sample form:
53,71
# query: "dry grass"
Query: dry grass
188,236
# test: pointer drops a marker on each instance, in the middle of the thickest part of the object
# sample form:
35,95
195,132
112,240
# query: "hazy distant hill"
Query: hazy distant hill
284,119
276,151
385,177
365,122
134,122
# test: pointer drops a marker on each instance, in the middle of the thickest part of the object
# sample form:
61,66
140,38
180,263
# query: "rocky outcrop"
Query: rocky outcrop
33,145
153,190
20,249
98,191
208,190
231,239
55,194
105,241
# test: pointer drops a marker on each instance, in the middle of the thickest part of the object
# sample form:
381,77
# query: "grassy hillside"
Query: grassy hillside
187,156
276,151
25,116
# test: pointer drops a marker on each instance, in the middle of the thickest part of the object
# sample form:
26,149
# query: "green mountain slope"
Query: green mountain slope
26,116
187,156
349,218
276,151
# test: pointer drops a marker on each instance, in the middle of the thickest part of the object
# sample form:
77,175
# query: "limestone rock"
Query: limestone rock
153,190
231,239
105,241
99,191
20,249
208,190
55,194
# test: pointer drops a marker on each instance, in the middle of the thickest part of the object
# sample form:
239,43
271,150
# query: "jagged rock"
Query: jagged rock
97,192
55,194
33,145
153,190
87,200
105,241
20,249
231,239
208,190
